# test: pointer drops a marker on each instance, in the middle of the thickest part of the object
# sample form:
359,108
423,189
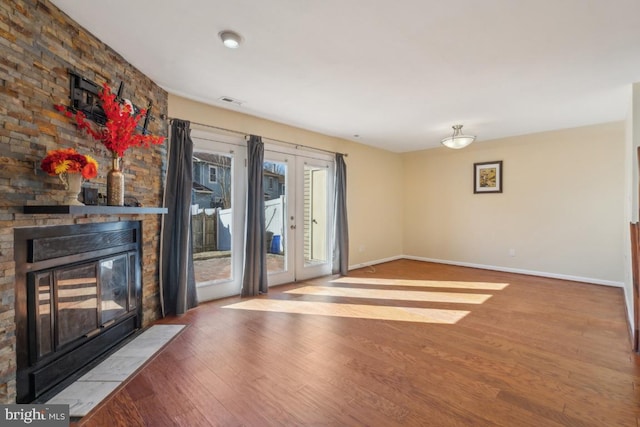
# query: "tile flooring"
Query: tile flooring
90,389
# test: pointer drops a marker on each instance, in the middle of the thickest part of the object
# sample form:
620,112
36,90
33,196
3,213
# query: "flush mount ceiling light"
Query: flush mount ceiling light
230,39
458,140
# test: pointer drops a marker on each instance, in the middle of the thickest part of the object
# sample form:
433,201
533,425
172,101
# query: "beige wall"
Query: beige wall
375,197
562,210
374,177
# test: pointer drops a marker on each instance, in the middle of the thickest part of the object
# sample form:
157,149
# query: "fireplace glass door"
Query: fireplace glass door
114,288
75,302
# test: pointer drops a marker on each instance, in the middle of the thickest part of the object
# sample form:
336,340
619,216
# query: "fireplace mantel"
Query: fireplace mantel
91,210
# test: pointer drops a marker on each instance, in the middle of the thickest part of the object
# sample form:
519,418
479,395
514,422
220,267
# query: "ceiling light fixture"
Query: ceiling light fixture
458,140
230,39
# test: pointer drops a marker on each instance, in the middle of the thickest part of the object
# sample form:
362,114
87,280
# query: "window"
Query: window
213,174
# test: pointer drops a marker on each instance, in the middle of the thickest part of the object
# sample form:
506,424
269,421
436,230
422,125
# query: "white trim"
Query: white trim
379,261
520,271
275,146
494,268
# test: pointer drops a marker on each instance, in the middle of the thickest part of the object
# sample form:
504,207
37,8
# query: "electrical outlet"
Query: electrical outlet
512,252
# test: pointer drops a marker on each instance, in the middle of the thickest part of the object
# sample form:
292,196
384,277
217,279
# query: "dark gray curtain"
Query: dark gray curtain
177,280
254,281
341,236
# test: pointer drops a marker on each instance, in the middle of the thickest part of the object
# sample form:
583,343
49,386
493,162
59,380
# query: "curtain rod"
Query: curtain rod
170,119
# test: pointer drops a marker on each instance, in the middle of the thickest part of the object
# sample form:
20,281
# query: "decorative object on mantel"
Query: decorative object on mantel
90,195
115,184
117,135
73,186
71,167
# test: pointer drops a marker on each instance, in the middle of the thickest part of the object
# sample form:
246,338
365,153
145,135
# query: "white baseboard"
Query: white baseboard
497,268
378,261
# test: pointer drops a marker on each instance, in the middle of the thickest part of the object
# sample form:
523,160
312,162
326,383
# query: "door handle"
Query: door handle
293,227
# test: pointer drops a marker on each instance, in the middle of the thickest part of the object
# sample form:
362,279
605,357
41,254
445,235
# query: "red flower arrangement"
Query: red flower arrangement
118,133
68,160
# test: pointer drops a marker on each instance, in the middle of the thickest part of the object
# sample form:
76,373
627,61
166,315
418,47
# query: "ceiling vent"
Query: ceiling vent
229,100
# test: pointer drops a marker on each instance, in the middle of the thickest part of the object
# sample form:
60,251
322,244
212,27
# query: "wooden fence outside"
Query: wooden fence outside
204,231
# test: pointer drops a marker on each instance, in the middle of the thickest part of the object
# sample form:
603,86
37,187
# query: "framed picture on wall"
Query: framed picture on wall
487,177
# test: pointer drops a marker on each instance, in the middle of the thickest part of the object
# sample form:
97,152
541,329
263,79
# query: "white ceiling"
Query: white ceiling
398,73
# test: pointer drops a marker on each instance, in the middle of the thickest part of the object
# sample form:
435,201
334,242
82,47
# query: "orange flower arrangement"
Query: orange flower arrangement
118,133
68,160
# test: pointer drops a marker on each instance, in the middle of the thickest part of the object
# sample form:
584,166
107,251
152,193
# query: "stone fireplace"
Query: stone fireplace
78,290
40,45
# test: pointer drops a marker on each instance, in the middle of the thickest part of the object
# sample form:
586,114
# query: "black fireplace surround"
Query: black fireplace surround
78,294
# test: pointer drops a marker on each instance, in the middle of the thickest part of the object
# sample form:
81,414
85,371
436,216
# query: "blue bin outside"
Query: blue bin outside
275,244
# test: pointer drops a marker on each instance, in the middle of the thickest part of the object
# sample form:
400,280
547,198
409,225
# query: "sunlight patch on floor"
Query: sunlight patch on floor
385,294
421,283
406,314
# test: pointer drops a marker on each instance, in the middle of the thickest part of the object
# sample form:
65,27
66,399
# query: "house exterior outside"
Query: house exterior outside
274,181
211,180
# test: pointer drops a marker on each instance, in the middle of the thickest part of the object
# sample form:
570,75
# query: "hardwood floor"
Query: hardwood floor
536,352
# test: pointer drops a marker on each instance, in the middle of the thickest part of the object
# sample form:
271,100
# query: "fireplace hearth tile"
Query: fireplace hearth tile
115,368
149,342
83,395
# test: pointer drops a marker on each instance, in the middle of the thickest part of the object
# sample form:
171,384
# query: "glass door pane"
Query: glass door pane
44,301
77,295
315,192
276,175
218,209
212,216
114,284
315,215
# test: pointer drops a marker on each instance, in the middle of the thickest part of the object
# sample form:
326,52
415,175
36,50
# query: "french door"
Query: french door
218,206
298,191
298,199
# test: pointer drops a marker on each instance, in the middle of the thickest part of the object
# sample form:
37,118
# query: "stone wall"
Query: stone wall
38,46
